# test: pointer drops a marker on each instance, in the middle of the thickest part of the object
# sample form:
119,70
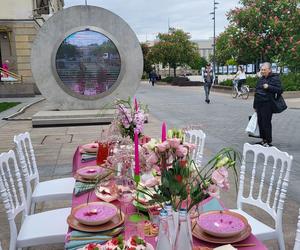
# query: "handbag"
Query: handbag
279,104
252,128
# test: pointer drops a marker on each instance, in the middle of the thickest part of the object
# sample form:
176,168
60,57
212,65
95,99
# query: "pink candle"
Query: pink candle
136,104
136,154
163,132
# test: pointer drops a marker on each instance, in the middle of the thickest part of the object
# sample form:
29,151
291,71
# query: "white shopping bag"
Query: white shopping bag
252,127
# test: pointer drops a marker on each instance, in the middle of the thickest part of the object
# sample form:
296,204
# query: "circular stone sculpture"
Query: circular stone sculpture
85,57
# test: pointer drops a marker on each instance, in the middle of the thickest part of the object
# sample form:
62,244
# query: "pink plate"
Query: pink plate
95,213
222,223
90,172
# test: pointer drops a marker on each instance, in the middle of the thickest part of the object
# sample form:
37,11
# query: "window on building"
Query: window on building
42,7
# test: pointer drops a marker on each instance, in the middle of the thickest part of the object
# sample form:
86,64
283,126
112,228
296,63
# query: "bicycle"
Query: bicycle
244,92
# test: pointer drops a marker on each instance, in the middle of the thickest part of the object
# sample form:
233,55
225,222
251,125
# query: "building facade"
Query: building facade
205,47
19,23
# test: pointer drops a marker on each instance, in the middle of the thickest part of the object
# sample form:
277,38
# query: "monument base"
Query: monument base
72,117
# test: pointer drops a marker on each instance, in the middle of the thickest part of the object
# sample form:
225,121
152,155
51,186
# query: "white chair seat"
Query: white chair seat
57,189
44,228
259,229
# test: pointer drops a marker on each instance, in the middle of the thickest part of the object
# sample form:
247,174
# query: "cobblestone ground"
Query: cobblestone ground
223,121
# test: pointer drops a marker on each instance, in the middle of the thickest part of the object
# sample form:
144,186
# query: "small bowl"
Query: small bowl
222,223
95,213
90,172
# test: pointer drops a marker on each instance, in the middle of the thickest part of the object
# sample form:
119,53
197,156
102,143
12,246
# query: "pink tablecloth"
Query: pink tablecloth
83,198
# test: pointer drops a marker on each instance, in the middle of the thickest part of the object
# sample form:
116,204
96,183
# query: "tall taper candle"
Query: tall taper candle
163,132
136,154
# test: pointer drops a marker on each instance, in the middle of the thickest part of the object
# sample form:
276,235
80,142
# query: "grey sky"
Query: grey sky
147,18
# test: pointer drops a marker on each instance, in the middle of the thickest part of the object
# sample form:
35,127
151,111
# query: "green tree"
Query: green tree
198,62
147,58
267,30
174,49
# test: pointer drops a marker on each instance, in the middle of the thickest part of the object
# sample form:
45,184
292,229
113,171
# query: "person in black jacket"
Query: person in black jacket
208,78
267,86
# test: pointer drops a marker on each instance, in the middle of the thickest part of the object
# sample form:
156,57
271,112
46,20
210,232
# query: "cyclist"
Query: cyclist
240,78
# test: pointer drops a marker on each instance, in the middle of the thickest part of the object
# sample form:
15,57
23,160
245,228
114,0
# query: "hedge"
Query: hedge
290,82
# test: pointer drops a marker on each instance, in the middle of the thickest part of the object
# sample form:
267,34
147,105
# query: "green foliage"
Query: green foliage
231,61
262,30
147,58
7,105
175,49
290,82
198,62
168,79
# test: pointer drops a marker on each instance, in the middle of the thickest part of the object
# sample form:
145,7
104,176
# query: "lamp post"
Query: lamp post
214,38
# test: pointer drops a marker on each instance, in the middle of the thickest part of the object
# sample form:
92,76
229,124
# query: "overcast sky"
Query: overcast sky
149,17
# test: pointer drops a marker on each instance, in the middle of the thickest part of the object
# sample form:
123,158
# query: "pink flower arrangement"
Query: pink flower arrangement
129,118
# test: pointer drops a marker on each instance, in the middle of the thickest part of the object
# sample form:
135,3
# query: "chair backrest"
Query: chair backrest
12,192
297,240
267,170
29,168
197,137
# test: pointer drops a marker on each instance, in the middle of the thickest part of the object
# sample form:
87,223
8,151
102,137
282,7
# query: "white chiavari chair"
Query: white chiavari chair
268,171
56,189
42,228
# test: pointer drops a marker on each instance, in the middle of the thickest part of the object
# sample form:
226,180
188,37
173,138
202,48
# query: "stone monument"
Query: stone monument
83,58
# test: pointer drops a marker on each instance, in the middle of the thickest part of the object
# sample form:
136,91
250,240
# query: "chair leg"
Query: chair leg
32,207
281,242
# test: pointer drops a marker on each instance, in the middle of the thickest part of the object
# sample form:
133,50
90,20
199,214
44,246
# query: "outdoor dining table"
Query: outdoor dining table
78,200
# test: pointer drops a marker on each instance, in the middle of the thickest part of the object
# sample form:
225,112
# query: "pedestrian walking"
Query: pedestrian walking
267,86
208,76
153,77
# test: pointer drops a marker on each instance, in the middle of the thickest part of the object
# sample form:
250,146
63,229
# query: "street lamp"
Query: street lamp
214,38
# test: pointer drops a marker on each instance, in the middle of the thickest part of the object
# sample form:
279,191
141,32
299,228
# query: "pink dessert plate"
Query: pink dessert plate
89,148
95,213
90,172
222,223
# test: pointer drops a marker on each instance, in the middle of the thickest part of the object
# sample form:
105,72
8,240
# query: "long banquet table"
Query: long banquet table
77,200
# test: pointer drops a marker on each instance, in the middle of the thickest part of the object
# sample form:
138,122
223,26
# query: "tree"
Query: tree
198,62
147,59
264,30
174,49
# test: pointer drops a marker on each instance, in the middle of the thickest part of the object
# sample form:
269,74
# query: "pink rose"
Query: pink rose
213,191
174,142
220,178
162,147
152,159
191,146
181,151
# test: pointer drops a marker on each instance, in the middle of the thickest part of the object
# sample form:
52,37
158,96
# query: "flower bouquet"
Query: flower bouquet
129,118
183,184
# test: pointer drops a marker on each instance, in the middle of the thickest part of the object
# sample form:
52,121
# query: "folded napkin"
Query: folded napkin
213,204
74,242
88,157
81,187
225,247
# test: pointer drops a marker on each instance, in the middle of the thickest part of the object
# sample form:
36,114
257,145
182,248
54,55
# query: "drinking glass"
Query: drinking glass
103,152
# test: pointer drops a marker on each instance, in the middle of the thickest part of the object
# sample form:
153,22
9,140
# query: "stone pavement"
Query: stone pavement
54,148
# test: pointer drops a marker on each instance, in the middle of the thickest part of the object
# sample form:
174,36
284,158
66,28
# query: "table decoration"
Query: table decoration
200,234
113,223
129,118
183,184
90,172
222,223
95,213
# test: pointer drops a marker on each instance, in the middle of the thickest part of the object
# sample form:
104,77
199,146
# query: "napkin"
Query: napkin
100,237
213,204
225,247
88,157
81,188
